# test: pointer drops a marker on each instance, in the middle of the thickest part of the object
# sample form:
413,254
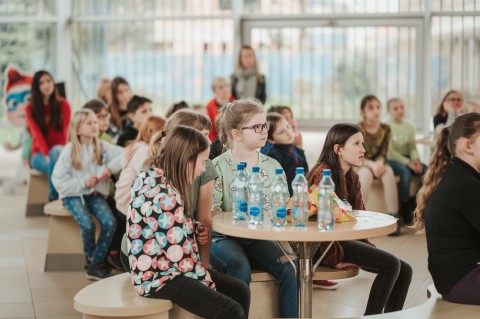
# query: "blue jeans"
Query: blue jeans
406,175
40,163
236,257
82,209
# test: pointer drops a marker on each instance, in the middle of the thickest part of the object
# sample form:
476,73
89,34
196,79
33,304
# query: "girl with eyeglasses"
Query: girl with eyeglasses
448,110
103,116
243,126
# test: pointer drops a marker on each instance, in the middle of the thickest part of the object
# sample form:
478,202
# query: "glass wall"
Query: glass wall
319,56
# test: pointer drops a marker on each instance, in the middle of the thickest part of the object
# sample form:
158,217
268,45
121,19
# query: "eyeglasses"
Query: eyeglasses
103,116
456,100
258,128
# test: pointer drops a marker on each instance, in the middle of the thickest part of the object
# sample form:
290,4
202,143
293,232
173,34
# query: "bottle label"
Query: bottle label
281,213
296,212
243,207
254,211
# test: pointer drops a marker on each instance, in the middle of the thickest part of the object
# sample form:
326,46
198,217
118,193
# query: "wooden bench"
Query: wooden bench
37,193
115,297
64,246
434,308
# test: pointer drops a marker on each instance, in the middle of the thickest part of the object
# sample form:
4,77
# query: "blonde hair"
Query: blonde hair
217,80
78,118
150,126
103,87
234,116
176,150
466,126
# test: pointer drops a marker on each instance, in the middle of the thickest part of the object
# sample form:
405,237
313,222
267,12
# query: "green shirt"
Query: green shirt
402,147
105,137
207,176
226,166
376,145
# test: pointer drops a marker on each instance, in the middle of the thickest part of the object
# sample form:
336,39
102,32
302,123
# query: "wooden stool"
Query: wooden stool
115,297
37,193
65,246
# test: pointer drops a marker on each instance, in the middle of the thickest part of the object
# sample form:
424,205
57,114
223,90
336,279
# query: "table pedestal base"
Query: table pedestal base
304,288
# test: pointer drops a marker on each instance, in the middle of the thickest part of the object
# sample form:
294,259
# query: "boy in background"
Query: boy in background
138,109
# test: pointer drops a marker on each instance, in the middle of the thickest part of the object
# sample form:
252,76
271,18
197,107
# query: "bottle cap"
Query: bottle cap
243,164
299,170
256,169
326,172
240,167
278,171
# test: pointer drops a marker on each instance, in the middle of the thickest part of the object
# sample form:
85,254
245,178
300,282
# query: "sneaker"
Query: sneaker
325,284
97,271
115,262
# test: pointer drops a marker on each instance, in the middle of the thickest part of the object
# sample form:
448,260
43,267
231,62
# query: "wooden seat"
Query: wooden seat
64,246
115,297
37,193
434,308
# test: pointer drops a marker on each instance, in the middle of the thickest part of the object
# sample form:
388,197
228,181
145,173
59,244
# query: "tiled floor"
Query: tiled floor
26,291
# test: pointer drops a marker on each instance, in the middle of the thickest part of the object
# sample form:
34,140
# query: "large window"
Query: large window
319,56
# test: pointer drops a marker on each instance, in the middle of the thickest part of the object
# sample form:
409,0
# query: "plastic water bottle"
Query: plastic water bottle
299,199
326,212
240,182
255,197
278,201
348,207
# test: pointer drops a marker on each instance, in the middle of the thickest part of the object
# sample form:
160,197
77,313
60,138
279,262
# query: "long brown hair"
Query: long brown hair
467,126
258,74
152,124
440,109
178,148
114,108
36,102
234,116
338,135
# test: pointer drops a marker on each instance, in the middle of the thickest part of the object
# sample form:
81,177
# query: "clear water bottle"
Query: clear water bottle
255,197
299,199
326,211
348,207
240,182
278,201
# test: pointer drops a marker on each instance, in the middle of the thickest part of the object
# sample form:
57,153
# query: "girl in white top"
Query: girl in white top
135,155
81,177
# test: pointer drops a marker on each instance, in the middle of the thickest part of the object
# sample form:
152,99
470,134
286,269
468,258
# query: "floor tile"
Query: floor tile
17,310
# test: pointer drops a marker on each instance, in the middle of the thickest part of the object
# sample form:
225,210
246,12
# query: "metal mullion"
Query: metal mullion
387,68
409,65
398,61
451,51
461,52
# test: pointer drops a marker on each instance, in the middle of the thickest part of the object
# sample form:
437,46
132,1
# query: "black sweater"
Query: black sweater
290,157
452,224
129,134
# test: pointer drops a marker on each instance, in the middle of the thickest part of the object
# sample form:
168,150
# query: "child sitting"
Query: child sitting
288,115
138,109
103,116
81,177
283,150
223,94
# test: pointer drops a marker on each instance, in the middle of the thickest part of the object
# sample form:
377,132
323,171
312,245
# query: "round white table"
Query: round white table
368,224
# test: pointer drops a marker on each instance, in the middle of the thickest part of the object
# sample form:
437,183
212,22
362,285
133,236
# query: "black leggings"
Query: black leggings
230,300
390,287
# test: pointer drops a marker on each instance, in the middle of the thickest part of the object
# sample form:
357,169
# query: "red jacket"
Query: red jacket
41,143
212,110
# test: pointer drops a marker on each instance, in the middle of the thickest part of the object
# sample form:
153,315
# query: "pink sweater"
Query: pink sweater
129,172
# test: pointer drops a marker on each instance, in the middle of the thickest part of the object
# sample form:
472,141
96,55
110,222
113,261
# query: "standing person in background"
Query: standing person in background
247,80
121,94
138,109
101,111
403,156
48,117
450,107
448,209
104,91
377,138
223,94
82,177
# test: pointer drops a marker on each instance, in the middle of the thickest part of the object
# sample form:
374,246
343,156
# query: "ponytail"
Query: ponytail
441,157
